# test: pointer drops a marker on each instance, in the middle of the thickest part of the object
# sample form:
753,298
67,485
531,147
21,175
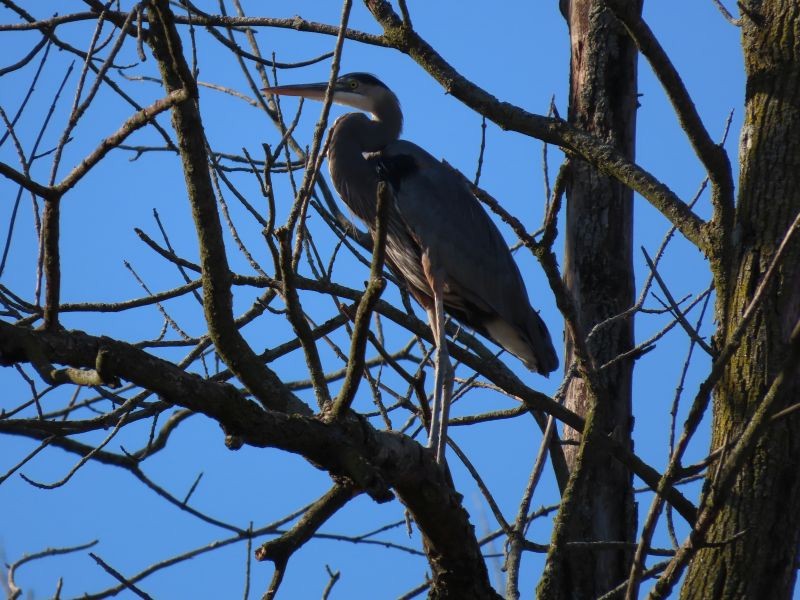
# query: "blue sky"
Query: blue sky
520,54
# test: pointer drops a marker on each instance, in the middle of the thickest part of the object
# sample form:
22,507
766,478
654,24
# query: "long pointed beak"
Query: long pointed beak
314,91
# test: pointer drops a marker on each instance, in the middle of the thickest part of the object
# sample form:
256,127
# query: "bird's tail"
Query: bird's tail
530,342
541,345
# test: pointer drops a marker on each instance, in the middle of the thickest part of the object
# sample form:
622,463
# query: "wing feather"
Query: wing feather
483,287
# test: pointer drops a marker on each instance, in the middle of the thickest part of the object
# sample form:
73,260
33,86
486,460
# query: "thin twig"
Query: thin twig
376,285
693,334
14,591
120,577
516,539
727,14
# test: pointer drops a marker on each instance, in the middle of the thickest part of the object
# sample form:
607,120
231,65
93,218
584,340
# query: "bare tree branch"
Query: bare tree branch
553,131
232,347
14,591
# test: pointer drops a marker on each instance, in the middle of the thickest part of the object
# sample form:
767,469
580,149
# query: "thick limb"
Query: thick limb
443,379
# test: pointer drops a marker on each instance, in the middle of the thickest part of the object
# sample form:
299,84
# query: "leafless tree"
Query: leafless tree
273,320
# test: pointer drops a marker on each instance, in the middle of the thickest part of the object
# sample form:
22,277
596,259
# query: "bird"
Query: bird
440,241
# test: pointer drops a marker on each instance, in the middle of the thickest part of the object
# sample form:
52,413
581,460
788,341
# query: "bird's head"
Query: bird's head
358,90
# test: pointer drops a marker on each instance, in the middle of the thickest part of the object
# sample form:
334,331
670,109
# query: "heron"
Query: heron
440,241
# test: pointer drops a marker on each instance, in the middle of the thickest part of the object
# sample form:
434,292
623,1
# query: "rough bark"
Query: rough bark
598,270
350,450
762,506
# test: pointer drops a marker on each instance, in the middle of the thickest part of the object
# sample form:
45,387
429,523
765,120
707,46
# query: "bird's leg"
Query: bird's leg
443,379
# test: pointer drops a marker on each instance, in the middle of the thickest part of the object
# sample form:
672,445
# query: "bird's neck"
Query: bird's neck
357,131
352,136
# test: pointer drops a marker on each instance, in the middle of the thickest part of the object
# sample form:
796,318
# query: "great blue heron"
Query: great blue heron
440,241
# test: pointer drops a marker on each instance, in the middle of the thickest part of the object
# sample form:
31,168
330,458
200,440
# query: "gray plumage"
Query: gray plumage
439,241
435,214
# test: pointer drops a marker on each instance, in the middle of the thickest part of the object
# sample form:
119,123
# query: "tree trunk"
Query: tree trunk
763,505
598,270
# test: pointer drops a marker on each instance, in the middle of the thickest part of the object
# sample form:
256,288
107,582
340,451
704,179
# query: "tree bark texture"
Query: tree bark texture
598,270
763,505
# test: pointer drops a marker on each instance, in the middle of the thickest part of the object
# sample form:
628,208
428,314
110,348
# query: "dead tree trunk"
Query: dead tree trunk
598,270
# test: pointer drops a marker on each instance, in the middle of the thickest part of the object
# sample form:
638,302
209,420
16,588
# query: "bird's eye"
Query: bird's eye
353,85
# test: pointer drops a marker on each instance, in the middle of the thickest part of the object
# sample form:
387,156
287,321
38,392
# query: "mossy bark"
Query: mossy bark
763,505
